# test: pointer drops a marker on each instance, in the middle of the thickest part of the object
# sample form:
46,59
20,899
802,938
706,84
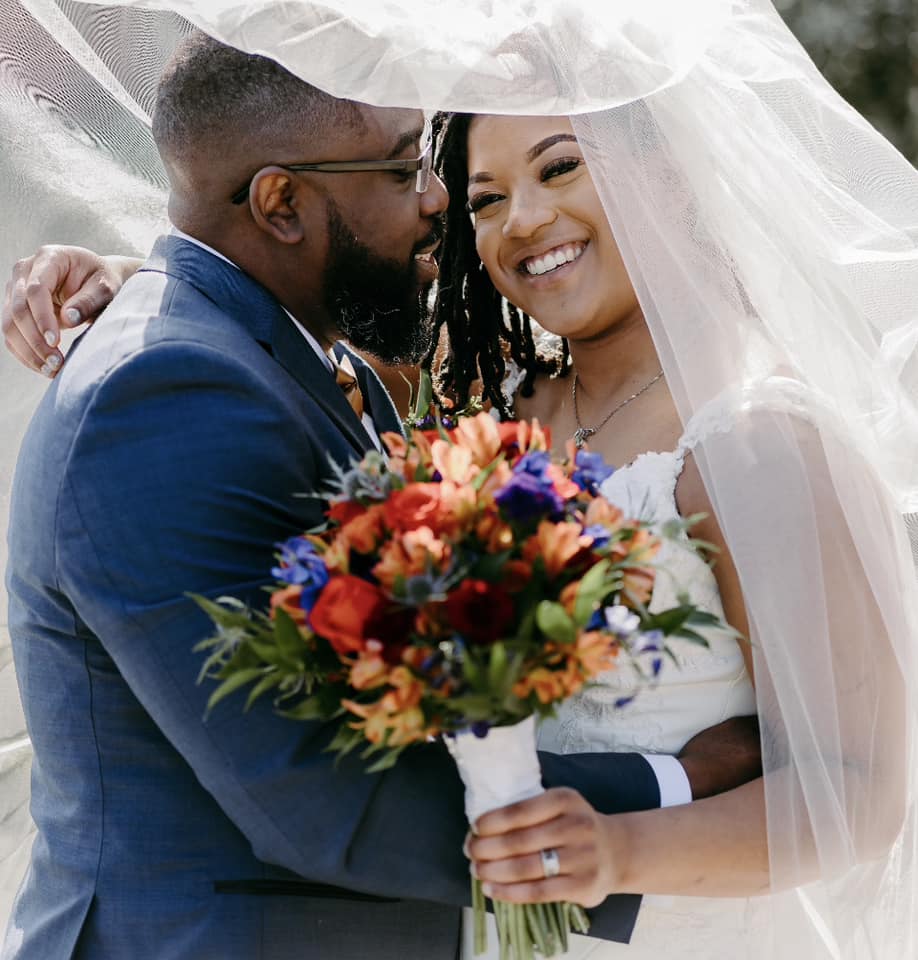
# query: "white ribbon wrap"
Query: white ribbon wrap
498,769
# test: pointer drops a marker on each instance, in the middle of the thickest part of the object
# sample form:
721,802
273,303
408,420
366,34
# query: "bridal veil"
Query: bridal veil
772,236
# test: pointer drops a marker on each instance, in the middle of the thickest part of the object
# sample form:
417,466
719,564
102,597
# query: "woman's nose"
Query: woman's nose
527,215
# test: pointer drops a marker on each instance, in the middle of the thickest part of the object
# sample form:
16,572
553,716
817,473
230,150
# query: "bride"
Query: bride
764,261
533,221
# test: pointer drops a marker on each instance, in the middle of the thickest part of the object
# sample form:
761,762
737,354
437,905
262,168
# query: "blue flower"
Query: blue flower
600,535
301,565
530,492
597,621
591,471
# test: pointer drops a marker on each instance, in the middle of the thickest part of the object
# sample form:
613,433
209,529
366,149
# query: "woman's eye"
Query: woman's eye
404,176
561,166
481,203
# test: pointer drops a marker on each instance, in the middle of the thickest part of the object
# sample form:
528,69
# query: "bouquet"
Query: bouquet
462,588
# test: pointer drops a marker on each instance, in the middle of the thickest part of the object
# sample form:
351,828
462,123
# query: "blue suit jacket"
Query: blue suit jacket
166,458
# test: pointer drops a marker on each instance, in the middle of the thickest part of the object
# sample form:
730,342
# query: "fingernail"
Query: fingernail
465,849
473,870
51,338
487,889
54,361
72,316
47,371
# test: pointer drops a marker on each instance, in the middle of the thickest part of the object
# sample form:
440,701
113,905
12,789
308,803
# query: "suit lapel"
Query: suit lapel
257,310
298,358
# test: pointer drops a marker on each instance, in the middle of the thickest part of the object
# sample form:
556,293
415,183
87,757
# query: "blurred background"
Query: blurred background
868,50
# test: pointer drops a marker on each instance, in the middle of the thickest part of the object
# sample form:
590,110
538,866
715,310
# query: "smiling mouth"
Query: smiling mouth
553,260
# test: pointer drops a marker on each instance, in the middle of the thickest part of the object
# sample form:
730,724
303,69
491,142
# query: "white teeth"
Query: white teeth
551,261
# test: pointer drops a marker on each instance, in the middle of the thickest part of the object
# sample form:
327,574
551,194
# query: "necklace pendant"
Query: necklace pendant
582,435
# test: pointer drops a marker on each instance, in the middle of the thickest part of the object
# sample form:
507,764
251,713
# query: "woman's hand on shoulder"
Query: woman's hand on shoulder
506,850
58,287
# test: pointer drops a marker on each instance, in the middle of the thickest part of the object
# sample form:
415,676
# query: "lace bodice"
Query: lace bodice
704,685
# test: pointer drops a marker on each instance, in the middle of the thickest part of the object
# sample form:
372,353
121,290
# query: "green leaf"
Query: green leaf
289,639
425,395
690,635
474,706
497,668
482,477
593,589
554,621
345,740
490,566
471,671
232,684
386,761
225,612
266,683
308,709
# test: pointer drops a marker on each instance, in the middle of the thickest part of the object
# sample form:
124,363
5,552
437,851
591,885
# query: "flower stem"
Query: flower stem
480,927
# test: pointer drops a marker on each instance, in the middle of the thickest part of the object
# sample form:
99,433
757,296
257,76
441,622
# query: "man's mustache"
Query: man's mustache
434,237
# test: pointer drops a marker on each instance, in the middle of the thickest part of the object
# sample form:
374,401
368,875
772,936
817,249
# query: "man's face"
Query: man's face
381,233
376,301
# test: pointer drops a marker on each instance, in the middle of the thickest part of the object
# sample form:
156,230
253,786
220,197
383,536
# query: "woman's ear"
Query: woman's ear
273,200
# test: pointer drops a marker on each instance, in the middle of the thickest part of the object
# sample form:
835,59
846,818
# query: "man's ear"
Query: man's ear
273,201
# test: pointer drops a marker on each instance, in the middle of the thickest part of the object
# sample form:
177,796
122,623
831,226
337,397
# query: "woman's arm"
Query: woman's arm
57,288
713,847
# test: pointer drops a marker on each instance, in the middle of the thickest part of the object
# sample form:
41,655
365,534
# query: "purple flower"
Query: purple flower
530,492
591,471
301,565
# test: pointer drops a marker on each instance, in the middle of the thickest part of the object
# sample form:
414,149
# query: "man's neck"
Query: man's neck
319,340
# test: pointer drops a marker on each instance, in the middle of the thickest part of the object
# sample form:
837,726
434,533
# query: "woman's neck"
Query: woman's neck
616,361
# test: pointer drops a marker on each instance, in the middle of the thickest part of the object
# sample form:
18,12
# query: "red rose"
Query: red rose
345,608
480,611
344,511
392,627
417,505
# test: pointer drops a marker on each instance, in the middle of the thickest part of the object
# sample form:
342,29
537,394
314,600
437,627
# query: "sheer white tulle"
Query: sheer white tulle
772,236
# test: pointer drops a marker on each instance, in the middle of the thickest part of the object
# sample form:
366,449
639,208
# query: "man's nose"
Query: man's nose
435,199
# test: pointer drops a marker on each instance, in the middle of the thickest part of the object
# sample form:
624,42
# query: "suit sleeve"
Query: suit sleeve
181,479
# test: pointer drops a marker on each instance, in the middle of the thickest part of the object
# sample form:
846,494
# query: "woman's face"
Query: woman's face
540,229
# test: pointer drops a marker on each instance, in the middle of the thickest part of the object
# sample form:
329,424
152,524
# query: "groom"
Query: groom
165,459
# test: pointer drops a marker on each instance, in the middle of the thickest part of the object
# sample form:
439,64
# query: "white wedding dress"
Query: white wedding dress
704,687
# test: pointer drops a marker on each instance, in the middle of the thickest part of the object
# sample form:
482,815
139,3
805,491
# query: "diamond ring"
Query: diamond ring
551,864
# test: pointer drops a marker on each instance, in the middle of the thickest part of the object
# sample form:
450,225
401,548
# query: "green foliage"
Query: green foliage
555,622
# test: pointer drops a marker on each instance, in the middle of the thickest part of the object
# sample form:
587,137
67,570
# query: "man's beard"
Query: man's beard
375,302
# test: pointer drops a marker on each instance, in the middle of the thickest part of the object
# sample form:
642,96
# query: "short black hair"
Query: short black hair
210,92
483,327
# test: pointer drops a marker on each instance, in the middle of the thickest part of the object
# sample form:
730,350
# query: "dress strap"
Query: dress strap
716,416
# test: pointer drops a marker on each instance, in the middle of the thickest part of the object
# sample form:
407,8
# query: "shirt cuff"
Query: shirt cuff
672,779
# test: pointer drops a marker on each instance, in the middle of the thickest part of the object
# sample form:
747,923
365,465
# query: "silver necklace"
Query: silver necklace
583,433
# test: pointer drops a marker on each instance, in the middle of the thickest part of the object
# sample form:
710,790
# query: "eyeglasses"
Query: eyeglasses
420,166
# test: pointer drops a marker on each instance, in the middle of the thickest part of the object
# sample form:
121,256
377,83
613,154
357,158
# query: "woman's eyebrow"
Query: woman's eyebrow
543,145
483,177
531,154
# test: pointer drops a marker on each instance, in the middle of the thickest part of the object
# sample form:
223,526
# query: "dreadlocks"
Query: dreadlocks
482,327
